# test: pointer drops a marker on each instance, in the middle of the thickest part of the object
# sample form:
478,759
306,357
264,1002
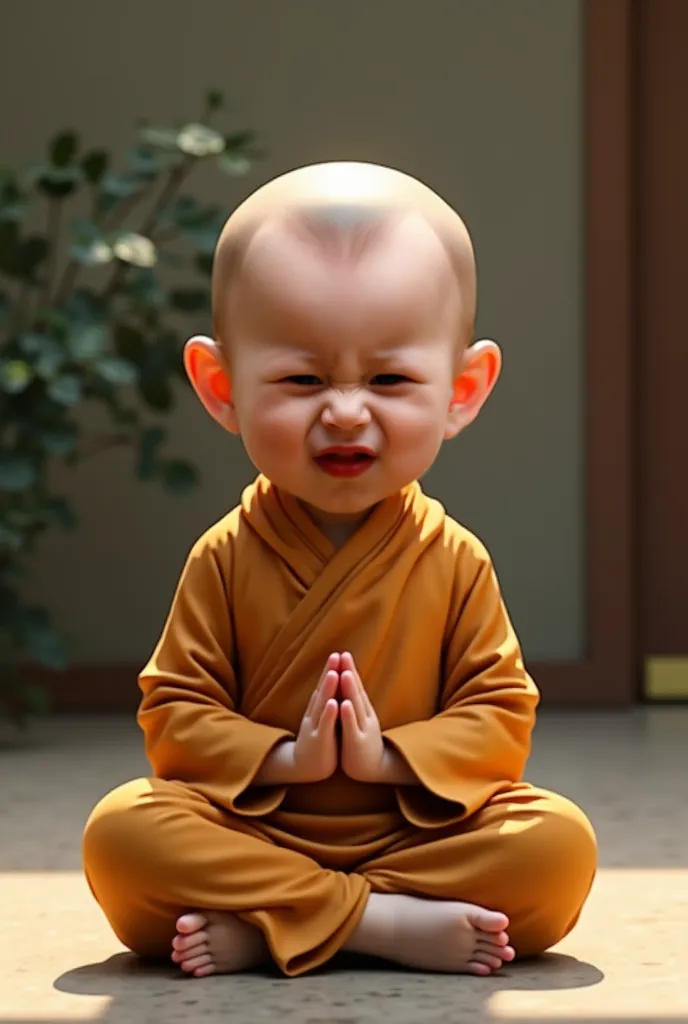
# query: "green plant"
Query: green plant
85,316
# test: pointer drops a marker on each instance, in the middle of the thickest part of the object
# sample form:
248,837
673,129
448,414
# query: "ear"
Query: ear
482,364
206,369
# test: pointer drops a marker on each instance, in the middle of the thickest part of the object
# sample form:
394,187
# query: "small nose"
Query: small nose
346,410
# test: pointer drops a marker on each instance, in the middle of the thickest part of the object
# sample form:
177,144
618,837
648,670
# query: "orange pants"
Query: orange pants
154,850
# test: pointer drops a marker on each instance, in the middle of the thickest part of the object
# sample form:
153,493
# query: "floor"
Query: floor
626,961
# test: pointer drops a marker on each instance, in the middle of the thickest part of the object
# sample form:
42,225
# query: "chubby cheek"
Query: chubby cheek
414,430
273,431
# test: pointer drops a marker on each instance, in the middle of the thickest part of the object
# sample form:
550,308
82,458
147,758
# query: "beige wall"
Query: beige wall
481,98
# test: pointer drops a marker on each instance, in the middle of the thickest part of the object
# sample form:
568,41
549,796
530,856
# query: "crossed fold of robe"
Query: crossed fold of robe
263,600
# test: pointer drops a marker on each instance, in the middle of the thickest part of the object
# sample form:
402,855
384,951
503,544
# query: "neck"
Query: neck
337,528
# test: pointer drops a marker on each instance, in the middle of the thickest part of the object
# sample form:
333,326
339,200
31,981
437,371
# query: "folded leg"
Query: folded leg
529,854
154,850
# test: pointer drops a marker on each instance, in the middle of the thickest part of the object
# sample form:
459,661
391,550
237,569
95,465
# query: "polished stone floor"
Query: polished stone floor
626,961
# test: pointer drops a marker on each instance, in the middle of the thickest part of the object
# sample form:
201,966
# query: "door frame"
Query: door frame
609,674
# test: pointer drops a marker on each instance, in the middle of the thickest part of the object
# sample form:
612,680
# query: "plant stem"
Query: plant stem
54,214
67,282
176,177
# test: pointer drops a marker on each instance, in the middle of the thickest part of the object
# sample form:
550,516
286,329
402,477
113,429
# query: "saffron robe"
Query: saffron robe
262,602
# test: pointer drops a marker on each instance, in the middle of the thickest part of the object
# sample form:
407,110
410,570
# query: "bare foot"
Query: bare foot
433,935
217,943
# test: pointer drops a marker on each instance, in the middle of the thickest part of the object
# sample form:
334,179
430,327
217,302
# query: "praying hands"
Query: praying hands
314,755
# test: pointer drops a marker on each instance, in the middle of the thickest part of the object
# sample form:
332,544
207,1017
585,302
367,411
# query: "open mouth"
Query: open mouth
340,462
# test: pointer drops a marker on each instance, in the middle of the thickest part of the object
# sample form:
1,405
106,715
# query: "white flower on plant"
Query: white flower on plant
135,249
99,252
199,140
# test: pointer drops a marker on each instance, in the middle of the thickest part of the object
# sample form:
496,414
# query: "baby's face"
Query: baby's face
342,368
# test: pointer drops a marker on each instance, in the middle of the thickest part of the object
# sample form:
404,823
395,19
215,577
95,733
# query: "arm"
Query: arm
480,739
193,732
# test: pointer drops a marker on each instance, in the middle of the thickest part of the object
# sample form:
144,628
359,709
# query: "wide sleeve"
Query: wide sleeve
480,739
188,711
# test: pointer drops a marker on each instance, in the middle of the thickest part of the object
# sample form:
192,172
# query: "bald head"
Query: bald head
344,209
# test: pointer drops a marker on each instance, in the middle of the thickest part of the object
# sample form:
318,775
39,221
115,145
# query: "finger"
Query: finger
349,665
349,720
325,693
330,665
365,699
353,694
328,718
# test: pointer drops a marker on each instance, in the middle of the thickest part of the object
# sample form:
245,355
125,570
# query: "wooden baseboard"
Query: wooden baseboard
114,688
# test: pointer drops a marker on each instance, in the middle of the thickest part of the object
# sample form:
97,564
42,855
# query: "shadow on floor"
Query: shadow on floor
347,991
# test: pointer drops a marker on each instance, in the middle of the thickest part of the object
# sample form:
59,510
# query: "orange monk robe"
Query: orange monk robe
264,599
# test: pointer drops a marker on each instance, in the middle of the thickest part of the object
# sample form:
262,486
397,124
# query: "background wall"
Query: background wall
481,99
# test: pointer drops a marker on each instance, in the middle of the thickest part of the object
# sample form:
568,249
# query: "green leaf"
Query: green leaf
162,138
86,307
198,140
120,186
204,262
61,513
185,211
94,165
15,376
144,289
129,343
84,229
179,477
9,241
25,257
34,342
36,698
239,140
156,392
41,640
50,361
205,238
66,390
190,300
235,164
17,473
5,310
214,99
63,148
148,465
146,162
88,341
10,538
117,371
59,182
60,439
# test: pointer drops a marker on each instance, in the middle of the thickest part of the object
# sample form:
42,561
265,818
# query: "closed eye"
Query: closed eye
390,379
304,380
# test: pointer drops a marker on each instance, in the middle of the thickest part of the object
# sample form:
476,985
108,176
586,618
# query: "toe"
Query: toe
204,972
493,938
503,952
475,967
489,959
189,923
184,942
488,920
195,962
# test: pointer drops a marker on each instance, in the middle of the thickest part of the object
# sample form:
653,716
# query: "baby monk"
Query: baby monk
337,714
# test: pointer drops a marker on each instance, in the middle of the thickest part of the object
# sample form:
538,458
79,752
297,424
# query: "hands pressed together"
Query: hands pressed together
316,752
